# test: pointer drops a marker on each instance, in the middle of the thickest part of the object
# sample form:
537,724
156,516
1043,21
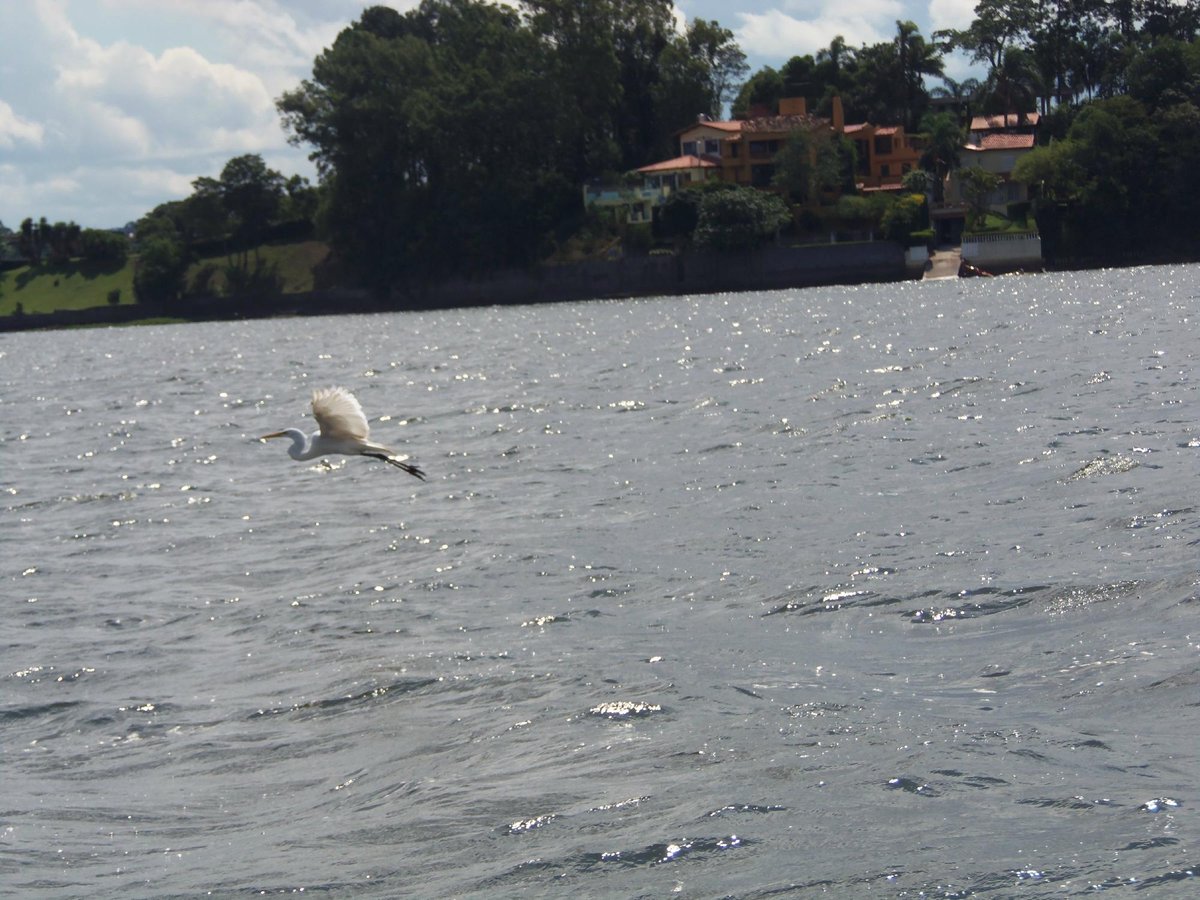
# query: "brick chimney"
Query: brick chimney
839,117
793,106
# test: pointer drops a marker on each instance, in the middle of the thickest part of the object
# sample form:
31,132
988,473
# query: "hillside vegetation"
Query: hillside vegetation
79,285
64,285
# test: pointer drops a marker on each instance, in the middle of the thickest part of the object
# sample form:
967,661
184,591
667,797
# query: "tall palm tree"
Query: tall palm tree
1015,85
916,58
832,60
964,94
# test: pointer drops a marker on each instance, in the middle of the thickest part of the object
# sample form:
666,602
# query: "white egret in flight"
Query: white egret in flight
344,430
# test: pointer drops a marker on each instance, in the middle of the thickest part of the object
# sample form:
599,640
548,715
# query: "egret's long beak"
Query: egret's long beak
274,434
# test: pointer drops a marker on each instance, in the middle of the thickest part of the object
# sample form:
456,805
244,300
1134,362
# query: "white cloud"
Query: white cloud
806,26
152,106
951,13
13,128
84,114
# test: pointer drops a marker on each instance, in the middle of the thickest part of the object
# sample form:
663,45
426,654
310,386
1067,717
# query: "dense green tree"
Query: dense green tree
1123,179
739,219
834,68
887,84
162,258
301,200
30,242
963,95
604,54
1050,171
998,26
722,62
680,214
437,134
681,95
977,185
1159,73
1014,86
810,163
904,215
252,195
799,76
203,216
763,90
944,136
105,247
916,59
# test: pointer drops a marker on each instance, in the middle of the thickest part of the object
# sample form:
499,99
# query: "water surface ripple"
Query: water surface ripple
858,591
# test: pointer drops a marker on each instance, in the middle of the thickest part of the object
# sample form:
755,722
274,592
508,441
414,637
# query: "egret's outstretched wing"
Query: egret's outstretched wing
339,414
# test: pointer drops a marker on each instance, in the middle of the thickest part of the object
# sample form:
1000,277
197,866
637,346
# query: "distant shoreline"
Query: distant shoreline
634,277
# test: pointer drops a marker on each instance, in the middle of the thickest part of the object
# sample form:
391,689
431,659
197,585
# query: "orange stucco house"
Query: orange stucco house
742,151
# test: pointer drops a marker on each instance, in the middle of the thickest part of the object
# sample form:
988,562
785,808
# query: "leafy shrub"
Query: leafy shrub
740,219
639,238
905,215
1019,212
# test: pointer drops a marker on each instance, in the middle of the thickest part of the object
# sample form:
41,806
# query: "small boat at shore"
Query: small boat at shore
966,270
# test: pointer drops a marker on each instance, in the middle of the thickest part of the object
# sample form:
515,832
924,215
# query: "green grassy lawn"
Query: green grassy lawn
80,285
294,263
72,285
994,224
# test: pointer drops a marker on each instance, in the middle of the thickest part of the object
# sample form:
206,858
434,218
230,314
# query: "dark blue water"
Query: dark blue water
884,591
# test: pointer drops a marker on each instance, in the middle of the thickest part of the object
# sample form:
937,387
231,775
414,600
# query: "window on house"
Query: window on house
712,147
885,170
689,148
762,176
763,149
735,150
883,144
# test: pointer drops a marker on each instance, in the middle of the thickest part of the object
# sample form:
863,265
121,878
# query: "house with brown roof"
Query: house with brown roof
884,154
747,147
742,151
994,143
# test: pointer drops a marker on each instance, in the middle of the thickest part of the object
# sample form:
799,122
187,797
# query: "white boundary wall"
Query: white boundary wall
1002,249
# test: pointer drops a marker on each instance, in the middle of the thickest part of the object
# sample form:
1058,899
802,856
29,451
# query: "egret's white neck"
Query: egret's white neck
301,444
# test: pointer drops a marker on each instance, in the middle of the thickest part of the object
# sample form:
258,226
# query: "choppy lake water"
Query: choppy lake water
880,591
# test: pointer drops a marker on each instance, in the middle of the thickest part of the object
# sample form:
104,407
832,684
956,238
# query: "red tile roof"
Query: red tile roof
733,125
1003,142
688,161
780,123
1009,120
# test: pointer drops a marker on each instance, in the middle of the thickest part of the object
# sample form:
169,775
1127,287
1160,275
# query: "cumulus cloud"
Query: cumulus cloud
806,26
193,84
951,13
13,128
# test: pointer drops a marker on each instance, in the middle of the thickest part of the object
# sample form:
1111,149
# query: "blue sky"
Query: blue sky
110,107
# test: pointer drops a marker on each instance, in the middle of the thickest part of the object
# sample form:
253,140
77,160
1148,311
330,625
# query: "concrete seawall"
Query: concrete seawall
634,276
1003,252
